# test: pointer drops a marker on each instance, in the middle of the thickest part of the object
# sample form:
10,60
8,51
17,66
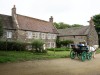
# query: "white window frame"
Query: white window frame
37,35
48,45
53,36
9,34
48,36
29,35
43,35
52,44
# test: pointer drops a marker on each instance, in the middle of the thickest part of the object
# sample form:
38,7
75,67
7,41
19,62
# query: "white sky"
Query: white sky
67,11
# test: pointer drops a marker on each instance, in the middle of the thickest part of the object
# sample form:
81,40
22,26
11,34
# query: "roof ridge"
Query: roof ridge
73,27
5,15
33,18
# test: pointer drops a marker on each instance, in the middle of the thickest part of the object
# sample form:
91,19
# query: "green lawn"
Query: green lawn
14,56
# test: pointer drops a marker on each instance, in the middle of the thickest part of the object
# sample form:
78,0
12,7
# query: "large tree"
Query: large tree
96,19
1,28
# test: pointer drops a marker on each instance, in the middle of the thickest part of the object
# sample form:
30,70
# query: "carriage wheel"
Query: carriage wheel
83,56
72,54
89,55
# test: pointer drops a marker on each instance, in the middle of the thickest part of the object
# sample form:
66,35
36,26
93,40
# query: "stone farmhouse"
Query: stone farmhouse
26,29
85,34
23,28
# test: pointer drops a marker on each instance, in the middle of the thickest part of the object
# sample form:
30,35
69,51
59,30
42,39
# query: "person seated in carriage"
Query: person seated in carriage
82,46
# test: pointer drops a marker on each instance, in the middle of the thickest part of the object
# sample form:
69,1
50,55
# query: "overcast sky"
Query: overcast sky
67,11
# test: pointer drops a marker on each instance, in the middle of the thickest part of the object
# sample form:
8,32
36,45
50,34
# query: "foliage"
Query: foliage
58,44
62,25
14,56
12,45
65,43
76,25
59,49
96,20
38,45
1,28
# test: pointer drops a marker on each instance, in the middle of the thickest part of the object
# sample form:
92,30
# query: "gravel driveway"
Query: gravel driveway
64,66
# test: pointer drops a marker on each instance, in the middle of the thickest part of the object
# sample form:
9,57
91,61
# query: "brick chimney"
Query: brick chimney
14,17
14,10
91,21
51,19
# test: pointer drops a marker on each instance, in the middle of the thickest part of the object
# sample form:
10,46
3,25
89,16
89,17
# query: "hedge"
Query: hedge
12,45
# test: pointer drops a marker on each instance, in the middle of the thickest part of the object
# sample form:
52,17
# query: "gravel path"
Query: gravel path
64,66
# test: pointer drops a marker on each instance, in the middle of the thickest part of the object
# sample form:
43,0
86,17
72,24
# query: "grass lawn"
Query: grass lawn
15,56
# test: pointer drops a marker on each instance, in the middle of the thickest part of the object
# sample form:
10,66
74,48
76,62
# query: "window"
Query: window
29,34
36,35
53,36
43,35
48,45
52,44
9,34
48,36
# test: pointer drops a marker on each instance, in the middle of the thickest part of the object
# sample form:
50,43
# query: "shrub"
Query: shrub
66,42
38,45
12,45
60,43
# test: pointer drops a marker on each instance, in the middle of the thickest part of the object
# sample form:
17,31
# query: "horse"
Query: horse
93,49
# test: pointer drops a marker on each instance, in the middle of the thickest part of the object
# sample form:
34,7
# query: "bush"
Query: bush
59,49
38,45
12,45
60,43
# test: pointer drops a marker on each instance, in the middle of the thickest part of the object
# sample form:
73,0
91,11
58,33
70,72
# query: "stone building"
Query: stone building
84,34
23,28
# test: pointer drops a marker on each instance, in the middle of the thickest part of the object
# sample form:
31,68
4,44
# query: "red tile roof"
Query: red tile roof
33,24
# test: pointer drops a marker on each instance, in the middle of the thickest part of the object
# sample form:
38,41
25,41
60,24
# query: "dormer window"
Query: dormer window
9,34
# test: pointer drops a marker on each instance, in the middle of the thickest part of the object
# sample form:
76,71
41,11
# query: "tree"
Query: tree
96,19
1,28
61,25
76,25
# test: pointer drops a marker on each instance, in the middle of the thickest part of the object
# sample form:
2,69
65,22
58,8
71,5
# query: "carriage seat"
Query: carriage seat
83,47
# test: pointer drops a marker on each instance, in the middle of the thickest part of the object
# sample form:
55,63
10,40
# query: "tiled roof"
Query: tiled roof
33,24
7,21
84,30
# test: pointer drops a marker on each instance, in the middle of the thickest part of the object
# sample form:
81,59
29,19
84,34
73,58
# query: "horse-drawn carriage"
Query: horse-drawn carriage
82,52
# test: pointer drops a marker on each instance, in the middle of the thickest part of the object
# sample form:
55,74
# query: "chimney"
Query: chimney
14,10
51,19
91,21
